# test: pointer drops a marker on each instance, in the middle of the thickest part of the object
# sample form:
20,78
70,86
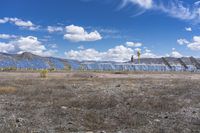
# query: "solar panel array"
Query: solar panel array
75,65
30,61
136,67
125,67
35,62
56,63
160,64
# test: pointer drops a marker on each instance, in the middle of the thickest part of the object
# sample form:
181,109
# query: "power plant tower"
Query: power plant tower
132,59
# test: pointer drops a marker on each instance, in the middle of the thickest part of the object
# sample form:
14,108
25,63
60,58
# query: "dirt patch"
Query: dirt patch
71,102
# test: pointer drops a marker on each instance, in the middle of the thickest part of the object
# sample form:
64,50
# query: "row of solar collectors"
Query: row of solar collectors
75,65
57,64
32,64
135,67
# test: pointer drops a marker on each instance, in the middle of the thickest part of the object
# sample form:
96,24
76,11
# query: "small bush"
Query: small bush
68,68
6,90
51,69
121,72
43,73
9,69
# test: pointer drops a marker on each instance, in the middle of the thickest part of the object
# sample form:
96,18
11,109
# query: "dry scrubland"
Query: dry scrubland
96,102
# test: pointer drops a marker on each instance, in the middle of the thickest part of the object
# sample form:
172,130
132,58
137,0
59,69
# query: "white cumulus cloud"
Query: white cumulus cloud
188,28
175,54
195,44
7,36
26,44
192,45
119,53
52,29
148,54
4,20
20,23
30,44
182,41
78,34
6,47
133,44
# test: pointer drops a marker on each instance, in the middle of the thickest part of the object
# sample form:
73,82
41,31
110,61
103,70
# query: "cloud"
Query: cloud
174,8
193,45
26,44
175,54
147,4
81,47
53,45
6,47
78,34
188,28
7,36
119,53
87,54
138,49
182,41
20,23
133,44
52,29
109,31
147,54
178,10
4,20
30,44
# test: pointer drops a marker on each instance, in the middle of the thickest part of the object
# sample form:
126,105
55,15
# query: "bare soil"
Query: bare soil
99,102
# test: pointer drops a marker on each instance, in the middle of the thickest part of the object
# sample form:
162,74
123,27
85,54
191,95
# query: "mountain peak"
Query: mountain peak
27,55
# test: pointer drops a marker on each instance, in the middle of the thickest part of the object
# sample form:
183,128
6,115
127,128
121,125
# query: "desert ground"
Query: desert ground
99,102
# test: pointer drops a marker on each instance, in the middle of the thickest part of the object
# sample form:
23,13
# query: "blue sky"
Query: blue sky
100,30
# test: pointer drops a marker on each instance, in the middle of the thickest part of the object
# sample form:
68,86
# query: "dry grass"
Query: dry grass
84,102
43,73
7,89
